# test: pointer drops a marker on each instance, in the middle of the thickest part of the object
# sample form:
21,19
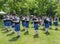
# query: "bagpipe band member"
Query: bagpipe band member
23,22
56,22
7,22
17,25
36,24
43,24
46,21
33,20
50,22
27,23
12,23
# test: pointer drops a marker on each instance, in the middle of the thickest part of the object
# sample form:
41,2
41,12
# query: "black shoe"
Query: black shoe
36,36
23,30
56,29
18,36
47,33
26,33
7,31
50,28
43,29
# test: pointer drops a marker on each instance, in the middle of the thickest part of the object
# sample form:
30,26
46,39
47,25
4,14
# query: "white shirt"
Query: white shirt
27,18
17,19
23,18
47,19
36,20
56,20
6,18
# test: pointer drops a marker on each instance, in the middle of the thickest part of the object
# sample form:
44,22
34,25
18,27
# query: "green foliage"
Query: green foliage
27,7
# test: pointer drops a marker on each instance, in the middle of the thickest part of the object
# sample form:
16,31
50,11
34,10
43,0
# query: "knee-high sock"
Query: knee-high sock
36,31
18,33
6,27
50,26
46,29
56,27
26,29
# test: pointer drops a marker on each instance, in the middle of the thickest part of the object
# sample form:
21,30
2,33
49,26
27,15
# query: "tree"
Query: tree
34,7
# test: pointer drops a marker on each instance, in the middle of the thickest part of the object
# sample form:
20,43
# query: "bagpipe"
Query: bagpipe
39,21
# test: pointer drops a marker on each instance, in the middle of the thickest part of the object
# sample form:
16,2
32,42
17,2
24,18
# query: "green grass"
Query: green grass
53,38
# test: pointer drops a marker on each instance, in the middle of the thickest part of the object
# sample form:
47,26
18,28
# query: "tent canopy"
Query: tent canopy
1,12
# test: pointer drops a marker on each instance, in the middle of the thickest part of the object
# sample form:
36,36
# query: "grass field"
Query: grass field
52,38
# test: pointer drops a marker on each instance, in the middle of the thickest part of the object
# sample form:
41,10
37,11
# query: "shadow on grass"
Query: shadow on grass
10,34
22,30
55,29
5,31
26,33
14,39
42,29
35,36
50,29
47,33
